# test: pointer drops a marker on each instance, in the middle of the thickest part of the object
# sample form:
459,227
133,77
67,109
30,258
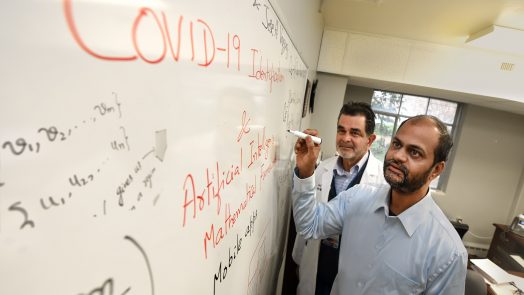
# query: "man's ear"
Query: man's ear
437,170
371,139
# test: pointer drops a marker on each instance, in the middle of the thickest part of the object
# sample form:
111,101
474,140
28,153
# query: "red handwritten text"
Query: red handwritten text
244,129
260,148
268,74
229,219
215,182
187,36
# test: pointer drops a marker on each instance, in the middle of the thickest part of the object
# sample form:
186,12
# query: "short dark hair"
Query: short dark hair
445,142
353,108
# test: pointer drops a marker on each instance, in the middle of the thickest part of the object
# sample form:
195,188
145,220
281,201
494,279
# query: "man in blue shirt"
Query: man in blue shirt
355,163
395,239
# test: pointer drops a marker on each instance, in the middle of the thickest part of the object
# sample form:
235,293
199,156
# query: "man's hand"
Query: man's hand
307,153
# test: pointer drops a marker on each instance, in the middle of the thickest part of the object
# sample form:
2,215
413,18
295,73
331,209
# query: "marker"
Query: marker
302,135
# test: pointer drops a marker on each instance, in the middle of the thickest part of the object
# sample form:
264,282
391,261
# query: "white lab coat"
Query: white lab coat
305,254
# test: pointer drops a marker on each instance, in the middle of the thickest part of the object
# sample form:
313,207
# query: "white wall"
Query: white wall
485,183
358,93
328,101
476,74
305,25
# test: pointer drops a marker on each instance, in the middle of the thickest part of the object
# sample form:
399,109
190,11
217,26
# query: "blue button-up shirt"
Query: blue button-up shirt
416,252
343,177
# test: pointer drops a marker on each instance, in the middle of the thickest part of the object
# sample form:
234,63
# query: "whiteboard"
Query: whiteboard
143,146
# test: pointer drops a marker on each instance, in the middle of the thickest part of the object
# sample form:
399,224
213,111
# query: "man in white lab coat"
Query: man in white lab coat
318,259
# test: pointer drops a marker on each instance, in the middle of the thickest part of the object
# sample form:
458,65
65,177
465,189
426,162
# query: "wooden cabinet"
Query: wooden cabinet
504,244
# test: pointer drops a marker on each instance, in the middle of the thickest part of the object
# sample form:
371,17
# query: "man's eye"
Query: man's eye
415,153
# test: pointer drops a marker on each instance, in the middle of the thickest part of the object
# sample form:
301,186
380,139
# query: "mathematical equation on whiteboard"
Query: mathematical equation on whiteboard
51,134
46,138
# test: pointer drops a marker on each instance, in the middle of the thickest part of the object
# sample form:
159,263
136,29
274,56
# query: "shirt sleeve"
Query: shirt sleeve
451,278
313,219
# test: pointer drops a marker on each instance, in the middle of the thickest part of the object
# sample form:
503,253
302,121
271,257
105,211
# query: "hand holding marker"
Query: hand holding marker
302,135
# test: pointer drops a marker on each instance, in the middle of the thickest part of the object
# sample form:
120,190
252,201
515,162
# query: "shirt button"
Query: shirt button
359,284
370,266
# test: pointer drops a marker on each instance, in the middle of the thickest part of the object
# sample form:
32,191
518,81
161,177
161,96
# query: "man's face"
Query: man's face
408,164
352,141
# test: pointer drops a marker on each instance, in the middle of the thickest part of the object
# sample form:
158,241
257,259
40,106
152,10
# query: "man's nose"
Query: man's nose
347,137
400,155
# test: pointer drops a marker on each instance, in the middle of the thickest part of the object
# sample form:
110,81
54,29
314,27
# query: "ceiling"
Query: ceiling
447,22
439,21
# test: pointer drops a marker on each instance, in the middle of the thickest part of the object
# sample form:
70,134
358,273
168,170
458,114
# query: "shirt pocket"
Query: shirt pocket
392,282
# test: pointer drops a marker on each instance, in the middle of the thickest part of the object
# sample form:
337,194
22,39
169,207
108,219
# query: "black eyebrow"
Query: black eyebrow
350,130
409,146
417,148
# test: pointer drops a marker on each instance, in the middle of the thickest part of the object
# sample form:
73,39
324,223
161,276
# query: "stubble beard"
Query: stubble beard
404,185
349,153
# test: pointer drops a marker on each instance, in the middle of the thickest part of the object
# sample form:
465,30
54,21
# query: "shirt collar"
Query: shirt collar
339,168
412,217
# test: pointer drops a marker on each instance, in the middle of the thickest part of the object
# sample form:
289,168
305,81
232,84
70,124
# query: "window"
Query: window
394,108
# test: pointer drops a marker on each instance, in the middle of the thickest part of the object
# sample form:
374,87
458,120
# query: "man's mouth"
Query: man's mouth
395,169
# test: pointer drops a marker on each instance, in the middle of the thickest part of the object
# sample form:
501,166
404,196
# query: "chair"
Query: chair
475,284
